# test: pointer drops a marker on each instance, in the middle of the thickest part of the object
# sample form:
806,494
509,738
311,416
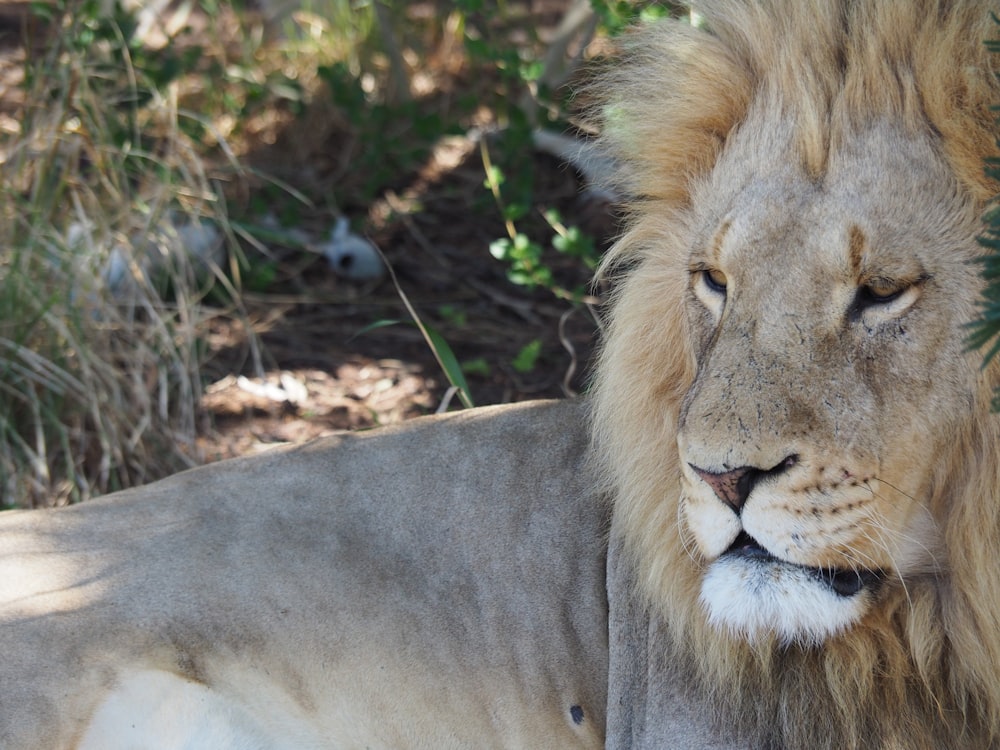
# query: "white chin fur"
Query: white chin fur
758,599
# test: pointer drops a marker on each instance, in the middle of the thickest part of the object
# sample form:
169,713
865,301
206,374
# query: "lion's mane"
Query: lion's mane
923,670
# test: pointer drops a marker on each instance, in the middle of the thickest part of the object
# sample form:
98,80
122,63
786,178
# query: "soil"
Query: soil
330,362
331,369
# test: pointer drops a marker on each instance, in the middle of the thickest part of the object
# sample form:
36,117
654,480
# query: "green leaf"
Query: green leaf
527,358
477,366
494,177
515,211
500,249
520,278
449,363
532,71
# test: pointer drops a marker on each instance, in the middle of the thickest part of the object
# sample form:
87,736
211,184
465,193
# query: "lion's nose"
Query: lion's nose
733,487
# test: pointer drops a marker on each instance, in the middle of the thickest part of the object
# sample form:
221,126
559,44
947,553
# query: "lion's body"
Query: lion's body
794,474
313,599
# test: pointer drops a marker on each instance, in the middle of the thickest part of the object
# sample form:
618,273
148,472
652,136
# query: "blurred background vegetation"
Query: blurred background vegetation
180,182
188,191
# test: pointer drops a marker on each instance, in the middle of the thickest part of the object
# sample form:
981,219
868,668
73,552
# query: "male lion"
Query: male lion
792,456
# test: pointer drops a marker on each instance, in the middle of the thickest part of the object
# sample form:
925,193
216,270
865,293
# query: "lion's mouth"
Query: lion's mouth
842,582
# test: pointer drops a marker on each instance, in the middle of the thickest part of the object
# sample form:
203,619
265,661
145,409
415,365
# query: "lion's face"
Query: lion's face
826,319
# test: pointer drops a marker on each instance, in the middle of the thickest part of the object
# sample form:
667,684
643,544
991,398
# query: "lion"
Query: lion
797,441
772,523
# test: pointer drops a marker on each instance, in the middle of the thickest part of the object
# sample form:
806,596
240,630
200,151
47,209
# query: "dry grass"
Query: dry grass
100,309
121,149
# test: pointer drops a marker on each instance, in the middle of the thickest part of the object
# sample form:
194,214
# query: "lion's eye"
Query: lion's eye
714,279
884,296
872,294
709,286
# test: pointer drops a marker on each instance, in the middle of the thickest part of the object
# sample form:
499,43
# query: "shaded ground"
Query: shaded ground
325,367
338,375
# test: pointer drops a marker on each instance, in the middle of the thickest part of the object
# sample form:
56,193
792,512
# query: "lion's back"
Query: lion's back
421,586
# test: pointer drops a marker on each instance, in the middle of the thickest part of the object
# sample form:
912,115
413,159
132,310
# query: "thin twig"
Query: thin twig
568,346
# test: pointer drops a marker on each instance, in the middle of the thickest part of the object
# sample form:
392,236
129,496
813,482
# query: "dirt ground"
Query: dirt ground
328,365
328,373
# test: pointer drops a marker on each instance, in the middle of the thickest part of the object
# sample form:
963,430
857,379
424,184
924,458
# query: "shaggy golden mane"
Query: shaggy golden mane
825,65
923,670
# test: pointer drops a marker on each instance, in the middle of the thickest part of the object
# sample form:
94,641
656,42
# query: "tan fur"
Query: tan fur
695,119
390,589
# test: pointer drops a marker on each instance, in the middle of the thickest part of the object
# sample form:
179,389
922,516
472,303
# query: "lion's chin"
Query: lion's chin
757,597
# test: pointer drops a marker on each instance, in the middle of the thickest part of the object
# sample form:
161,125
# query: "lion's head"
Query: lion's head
805,467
